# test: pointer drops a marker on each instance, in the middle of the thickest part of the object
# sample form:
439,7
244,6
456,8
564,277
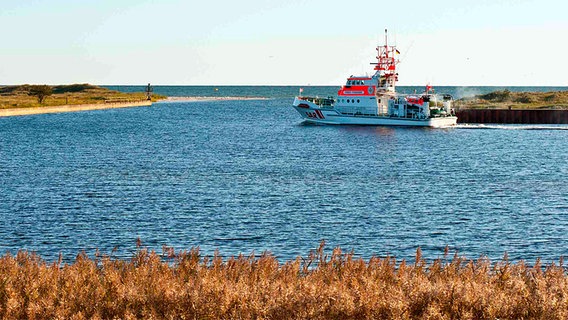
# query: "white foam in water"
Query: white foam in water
512,126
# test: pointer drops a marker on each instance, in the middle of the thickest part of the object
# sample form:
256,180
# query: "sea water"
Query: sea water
250,176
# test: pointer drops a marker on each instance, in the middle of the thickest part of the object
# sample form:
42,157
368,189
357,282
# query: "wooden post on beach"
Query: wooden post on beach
149,90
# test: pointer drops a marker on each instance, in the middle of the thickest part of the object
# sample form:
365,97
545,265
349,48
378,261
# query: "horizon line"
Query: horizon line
281,85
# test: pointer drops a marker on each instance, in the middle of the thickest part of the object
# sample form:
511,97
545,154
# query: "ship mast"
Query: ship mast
386,67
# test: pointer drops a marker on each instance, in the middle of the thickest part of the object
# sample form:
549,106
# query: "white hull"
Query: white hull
327,115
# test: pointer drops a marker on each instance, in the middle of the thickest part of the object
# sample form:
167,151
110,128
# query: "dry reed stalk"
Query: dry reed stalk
321,286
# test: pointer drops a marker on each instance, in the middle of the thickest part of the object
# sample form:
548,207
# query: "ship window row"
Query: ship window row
350,100
355,82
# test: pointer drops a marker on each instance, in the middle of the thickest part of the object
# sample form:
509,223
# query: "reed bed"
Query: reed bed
332,285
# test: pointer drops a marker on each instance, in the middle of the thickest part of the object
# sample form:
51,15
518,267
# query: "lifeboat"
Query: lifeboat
372,100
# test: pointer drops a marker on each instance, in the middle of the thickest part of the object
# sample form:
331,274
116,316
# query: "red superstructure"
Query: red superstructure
358,86
382,82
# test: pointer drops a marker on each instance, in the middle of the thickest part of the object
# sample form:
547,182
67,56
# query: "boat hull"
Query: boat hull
313,113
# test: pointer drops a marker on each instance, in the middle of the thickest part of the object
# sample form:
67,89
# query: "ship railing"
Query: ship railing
322,102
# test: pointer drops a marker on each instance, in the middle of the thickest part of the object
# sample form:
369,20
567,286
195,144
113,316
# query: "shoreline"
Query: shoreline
10,112
206,98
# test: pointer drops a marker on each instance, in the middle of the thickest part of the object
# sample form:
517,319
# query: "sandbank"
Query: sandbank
195,99
70,108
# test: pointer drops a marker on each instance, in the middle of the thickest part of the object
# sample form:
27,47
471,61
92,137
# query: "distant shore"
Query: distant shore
26,99
204,98
8,112
505,99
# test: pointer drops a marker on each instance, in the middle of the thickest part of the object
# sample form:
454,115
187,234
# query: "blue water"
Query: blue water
243,176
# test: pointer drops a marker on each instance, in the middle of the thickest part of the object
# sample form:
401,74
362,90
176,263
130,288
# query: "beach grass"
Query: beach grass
505,99
21,96
323,285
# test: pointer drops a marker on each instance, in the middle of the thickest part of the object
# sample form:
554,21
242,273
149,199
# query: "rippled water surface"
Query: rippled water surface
240,176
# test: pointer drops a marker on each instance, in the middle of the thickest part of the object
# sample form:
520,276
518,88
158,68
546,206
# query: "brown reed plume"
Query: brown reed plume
335,285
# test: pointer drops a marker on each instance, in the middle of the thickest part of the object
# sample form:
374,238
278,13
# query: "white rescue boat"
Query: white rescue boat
365,100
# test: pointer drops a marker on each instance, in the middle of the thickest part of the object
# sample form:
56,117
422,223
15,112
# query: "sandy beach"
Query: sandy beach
85,107
70,108
195,99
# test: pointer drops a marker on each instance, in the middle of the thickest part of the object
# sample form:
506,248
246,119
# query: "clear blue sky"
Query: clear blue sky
482,42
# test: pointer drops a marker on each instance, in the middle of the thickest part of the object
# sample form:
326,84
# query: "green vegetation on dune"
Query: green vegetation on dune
323,285
516,100
33,96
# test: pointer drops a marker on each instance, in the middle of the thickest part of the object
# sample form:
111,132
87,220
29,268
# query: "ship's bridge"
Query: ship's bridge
358,86
358,81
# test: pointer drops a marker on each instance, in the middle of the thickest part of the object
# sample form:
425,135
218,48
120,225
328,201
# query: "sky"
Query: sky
285,42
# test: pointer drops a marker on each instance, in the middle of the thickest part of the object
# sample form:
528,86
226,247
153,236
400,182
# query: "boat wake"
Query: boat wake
512,126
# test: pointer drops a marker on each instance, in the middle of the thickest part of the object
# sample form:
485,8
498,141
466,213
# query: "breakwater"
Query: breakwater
512,116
